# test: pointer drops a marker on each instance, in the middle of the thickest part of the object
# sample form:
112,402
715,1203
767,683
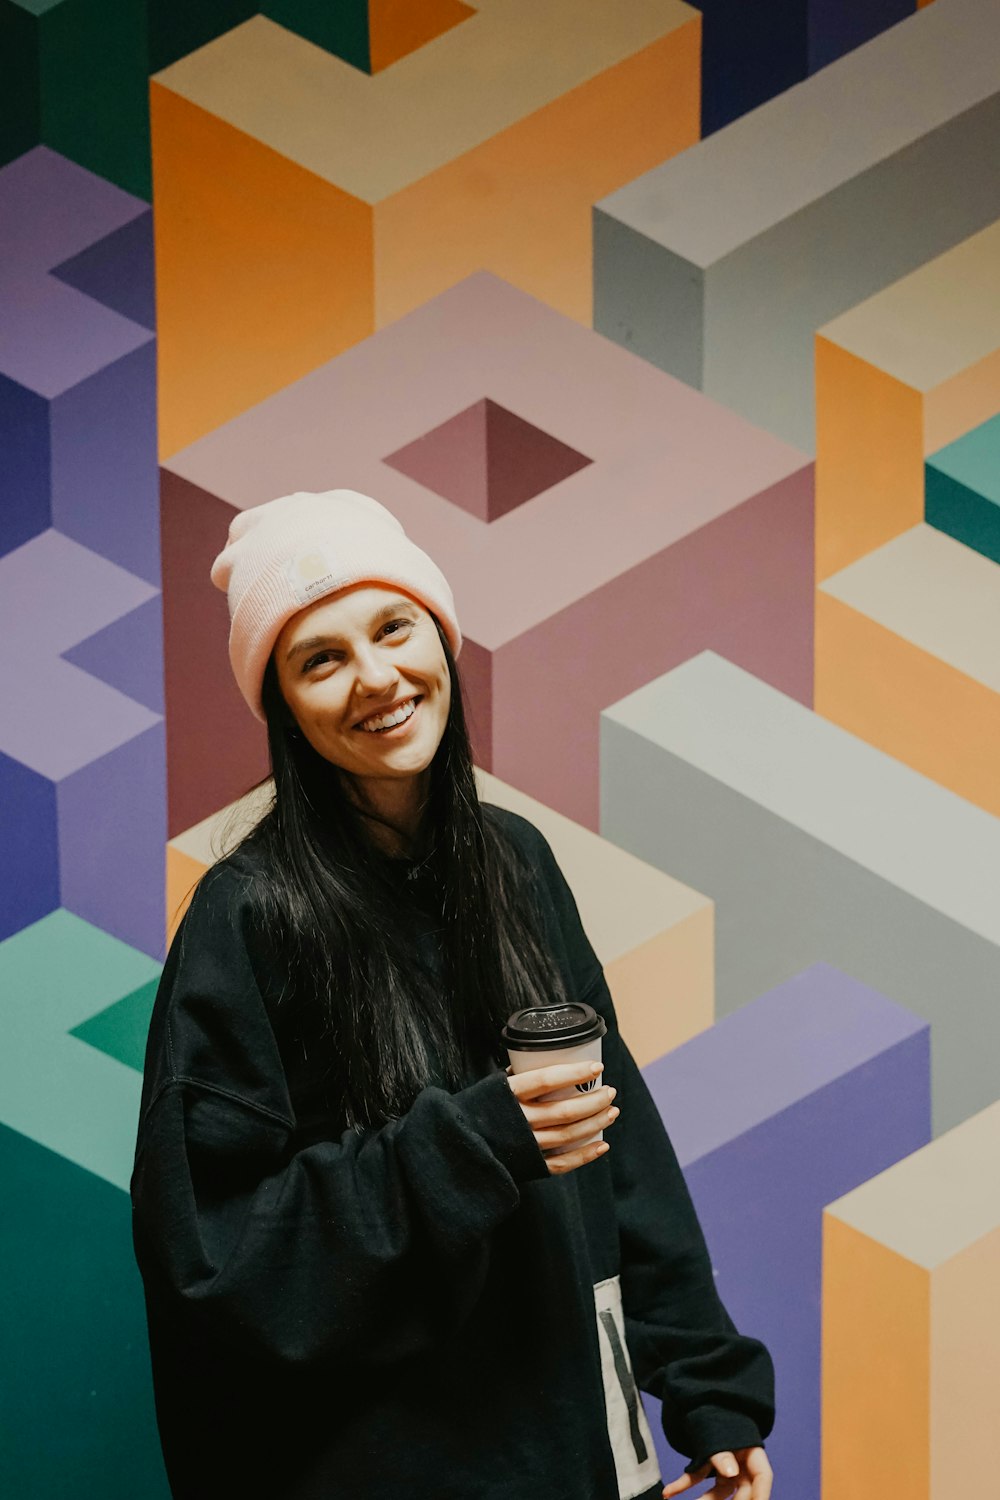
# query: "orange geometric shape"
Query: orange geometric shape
898,377
520,205
869,457
911,1322
876,1372
183,874
300,203
398,27
906,659
194,851
234,327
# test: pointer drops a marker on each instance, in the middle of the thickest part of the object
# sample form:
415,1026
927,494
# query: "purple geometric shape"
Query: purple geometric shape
488,460
100,752
127,655
118,271
86,462
29,883
838,26
825,1084
53,336
51,209
25,469
112,834
105,482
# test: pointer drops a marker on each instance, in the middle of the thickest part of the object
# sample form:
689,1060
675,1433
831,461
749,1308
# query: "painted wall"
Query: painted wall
673,334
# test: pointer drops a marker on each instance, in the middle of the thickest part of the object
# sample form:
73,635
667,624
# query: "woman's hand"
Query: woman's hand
562,1121
745,1474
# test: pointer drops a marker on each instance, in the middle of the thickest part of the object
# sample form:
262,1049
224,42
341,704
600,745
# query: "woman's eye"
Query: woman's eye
397,622
314,661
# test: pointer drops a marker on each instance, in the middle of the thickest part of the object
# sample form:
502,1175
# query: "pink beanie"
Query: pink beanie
285,554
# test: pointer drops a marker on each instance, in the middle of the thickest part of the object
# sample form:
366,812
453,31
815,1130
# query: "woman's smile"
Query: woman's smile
375,726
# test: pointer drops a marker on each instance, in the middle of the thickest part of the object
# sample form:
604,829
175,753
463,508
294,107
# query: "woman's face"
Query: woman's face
349,659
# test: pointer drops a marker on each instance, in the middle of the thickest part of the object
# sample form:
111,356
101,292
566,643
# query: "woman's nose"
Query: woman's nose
374,672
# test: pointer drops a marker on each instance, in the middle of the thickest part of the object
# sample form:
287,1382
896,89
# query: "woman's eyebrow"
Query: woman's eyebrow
315,641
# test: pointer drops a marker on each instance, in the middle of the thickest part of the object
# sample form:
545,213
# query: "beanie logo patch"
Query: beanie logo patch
309,576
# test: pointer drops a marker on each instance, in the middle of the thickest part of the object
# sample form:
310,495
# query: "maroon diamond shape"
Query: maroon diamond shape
487,460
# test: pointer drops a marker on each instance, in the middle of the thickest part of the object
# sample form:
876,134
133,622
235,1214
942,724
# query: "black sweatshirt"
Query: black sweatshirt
420,1309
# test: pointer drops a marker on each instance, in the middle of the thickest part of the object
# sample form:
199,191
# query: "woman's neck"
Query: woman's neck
393,811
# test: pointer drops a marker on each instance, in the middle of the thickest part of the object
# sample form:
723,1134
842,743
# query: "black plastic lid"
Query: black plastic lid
547,1027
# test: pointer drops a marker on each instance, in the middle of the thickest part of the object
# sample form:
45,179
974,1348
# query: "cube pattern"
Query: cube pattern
722,275
751,702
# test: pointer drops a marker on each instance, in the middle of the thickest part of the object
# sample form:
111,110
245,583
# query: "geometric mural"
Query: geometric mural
400,183
811,841
684,513
962,489
672,332
798,1060
722,274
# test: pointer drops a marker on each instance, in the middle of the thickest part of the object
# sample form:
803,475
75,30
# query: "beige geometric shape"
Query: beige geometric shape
912,1333
653,935
899,376
907,658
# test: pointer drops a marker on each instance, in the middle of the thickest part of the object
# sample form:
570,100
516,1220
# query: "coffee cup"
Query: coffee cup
543,1035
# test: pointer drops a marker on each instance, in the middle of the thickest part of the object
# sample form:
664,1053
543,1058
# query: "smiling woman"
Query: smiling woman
342,1198
365,678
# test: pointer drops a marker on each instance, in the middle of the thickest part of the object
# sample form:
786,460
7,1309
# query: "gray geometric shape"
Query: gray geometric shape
802,208
815,846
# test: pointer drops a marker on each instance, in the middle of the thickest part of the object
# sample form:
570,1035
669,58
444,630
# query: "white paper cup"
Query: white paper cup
543,1036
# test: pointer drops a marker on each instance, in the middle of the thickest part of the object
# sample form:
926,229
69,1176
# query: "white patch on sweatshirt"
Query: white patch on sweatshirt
631,1440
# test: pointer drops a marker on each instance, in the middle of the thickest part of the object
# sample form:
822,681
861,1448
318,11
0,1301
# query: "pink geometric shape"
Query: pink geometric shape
487,460
688,530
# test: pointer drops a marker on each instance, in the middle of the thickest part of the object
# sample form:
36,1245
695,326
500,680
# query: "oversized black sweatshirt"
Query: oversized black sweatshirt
420,1309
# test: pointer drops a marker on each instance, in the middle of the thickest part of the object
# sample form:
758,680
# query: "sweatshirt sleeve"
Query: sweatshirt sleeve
373,1246
715,1384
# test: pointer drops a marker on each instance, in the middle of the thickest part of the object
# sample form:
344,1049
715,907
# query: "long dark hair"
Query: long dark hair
344,925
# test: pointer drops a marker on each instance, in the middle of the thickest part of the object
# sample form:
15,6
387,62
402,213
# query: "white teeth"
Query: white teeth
403,712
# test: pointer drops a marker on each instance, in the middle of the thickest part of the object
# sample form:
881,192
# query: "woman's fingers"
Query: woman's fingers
553,1112
725,1469
568,1135
568,1161
678,1486
558,1125
536,1081
748,1478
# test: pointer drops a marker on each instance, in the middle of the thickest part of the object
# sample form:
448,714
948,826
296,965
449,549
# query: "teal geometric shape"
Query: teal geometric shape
55,1088
121,1030
75,72
962,489
76,1398
341,29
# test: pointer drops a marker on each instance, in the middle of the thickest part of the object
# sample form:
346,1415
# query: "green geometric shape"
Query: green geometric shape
76,1399
121,1030
962,489
340,28
55,1088
20,113
75,72
177,27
